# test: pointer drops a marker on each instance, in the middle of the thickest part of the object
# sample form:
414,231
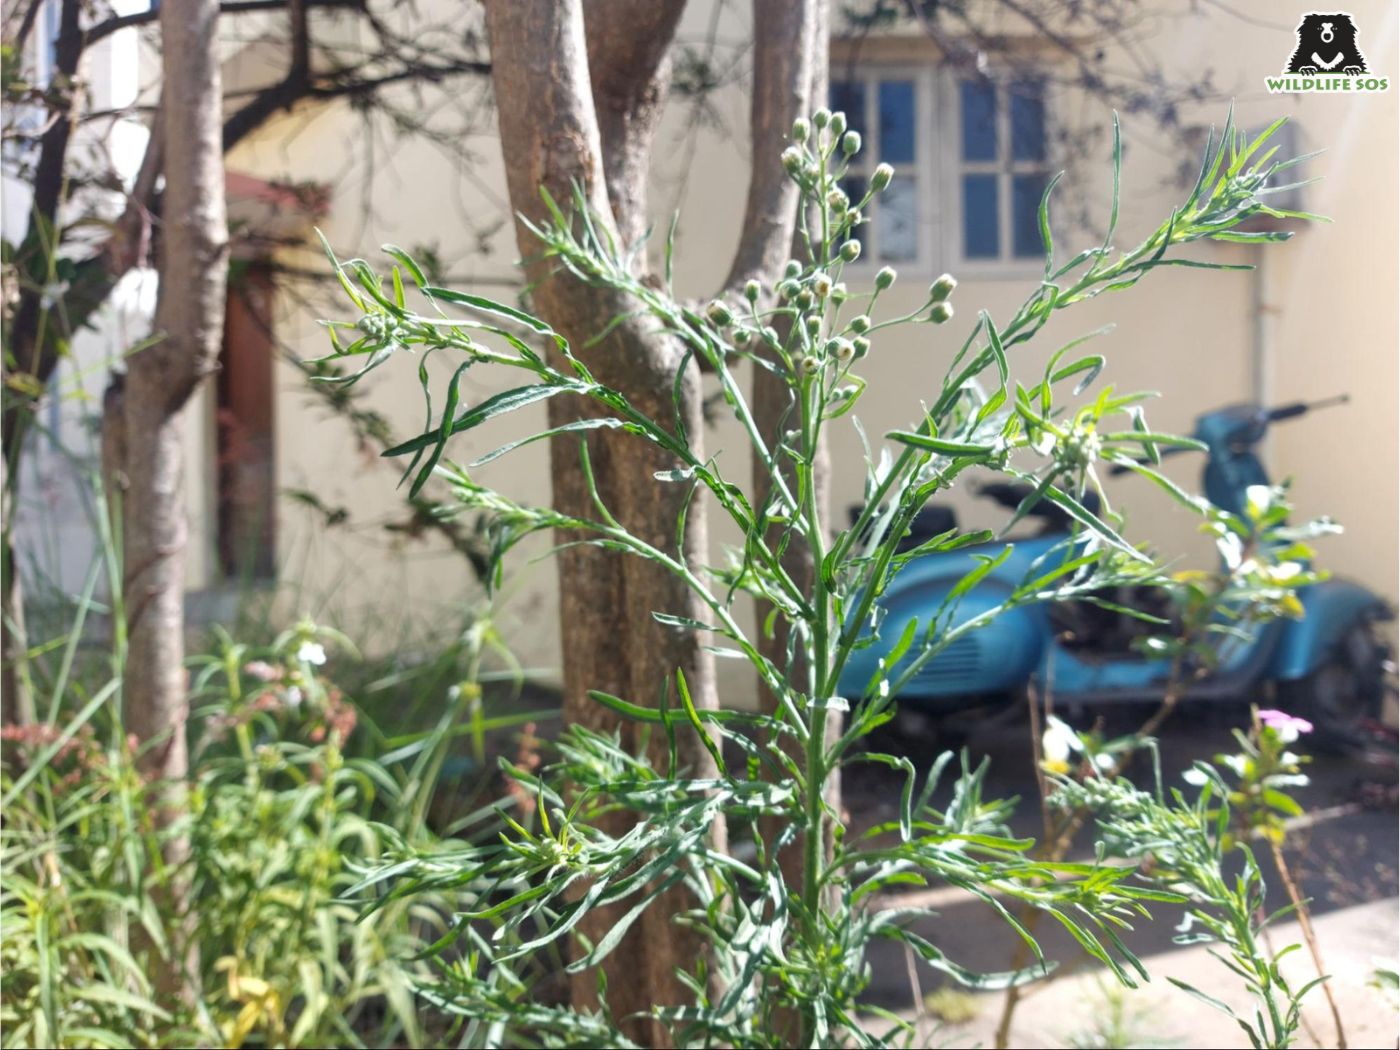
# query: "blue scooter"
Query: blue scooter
1329,665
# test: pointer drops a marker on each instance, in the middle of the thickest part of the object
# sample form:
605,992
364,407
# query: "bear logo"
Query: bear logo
1327,44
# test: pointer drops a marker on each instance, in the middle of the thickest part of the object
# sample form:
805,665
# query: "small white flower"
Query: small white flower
1057,744
311,653
1195,777
1236,764
1256,500
293,697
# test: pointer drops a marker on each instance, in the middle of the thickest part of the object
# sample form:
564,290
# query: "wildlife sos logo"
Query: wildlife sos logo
1327,58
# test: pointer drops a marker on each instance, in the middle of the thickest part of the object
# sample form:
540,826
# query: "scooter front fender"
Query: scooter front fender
993,658
1330,609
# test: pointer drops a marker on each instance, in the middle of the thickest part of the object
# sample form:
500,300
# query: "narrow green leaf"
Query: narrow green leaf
499,404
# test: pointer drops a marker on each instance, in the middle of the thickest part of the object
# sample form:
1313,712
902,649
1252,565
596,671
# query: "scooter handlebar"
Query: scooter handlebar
1265,417
1298,408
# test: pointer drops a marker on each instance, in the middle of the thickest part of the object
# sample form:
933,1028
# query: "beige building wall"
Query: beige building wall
1328,323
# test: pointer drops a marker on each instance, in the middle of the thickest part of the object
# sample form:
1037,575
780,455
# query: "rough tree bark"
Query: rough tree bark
161,379
159,384
579,89
551,137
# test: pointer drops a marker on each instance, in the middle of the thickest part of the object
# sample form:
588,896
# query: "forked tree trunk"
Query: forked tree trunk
551,137
579,89
159,384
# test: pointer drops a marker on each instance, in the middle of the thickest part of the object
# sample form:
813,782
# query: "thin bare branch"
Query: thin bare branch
786,54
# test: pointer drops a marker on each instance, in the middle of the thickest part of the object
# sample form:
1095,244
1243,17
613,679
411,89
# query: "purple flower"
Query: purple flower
1288,727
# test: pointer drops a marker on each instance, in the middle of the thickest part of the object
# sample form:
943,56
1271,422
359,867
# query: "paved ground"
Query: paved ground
1085,1009
1345,855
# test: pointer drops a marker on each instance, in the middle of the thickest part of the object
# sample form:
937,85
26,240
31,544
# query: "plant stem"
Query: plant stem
816,771
1058,840
1300,907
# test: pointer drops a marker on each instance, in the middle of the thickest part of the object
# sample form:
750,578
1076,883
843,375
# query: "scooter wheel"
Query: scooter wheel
1342,693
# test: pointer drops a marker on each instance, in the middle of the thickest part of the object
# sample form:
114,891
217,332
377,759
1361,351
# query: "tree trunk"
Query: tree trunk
16,696
560,128
159,384
33,351
579,88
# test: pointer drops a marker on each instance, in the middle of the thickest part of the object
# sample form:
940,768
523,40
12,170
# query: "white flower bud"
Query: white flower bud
812,323
792,269
789,289
821,118
838,124
752,290
880,177
311,653
800,130
821,284
861,345
860,324
885,277
942,288
941,312
719,313
844,351
850,143
850,251
793,160
809,366
837,200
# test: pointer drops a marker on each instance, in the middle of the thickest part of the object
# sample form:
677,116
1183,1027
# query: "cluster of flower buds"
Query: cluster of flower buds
816,159
826,135
938,294
380,327
1079,448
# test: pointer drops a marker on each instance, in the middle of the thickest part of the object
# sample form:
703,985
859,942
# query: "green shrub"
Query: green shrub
788,960
284,810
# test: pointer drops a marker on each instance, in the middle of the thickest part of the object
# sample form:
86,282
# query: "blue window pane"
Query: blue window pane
1026,191
897,220
979,121
897,121
855,188
848,96
1028,121
981,226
